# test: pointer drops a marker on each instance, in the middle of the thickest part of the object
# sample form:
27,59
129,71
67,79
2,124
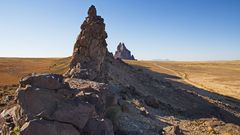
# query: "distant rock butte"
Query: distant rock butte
123,53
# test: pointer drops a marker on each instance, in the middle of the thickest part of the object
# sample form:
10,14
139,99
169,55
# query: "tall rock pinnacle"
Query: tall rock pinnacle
90,48
123,53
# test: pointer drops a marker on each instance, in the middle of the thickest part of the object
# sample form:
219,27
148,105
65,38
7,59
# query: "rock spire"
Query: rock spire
123,53
90,48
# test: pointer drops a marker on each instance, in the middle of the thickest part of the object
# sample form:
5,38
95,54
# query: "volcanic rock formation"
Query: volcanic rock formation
49,105
123,53
90,48
131,101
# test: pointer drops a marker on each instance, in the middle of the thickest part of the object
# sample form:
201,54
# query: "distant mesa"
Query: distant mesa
123,53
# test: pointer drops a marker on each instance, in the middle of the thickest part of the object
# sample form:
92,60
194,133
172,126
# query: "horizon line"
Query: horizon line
163,60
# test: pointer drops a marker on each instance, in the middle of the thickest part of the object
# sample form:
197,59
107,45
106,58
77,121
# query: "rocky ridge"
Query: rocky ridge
123,53
110,97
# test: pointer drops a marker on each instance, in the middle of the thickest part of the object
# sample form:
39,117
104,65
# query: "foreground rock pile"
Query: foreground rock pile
51,106
123,53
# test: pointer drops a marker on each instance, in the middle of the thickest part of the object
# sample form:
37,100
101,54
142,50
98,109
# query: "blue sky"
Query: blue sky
151,29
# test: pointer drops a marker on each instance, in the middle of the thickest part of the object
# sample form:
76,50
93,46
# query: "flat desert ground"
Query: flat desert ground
222,77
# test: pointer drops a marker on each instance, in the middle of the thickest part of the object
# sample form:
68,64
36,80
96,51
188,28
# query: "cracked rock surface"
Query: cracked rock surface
66,110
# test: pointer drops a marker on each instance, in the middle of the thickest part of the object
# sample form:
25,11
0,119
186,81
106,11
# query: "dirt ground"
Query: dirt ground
222,77
13,69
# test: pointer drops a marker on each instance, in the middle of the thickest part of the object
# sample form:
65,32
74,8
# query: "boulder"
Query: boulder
95,100
75,112
123,53
38,101
43,127
97,94
152,101
46,81
130,91
99,127
111,100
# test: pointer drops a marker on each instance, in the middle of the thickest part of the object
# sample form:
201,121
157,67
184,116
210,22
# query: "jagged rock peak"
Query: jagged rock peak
123,53
92,12
90,49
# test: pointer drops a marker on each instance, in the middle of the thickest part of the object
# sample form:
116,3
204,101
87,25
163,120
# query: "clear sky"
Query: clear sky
151,29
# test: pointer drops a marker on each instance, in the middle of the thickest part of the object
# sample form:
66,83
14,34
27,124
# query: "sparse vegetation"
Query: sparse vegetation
13,69
221,77
16,131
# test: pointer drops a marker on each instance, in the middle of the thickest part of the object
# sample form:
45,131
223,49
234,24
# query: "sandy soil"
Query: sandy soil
13,69
221,77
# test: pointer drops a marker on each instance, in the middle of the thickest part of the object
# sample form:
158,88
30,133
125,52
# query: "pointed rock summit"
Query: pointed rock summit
92,12
123,53
90,48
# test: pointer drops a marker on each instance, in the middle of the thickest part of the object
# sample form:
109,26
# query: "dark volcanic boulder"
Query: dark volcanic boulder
38,101
74,112
151,101
99,127
47,81
43,127
123,53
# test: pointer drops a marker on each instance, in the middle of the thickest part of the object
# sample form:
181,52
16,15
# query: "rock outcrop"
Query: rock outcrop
71,109
90,49
53,105
100,95
123,53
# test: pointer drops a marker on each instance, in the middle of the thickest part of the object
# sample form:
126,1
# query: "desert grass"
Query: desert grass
221,77
13,69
